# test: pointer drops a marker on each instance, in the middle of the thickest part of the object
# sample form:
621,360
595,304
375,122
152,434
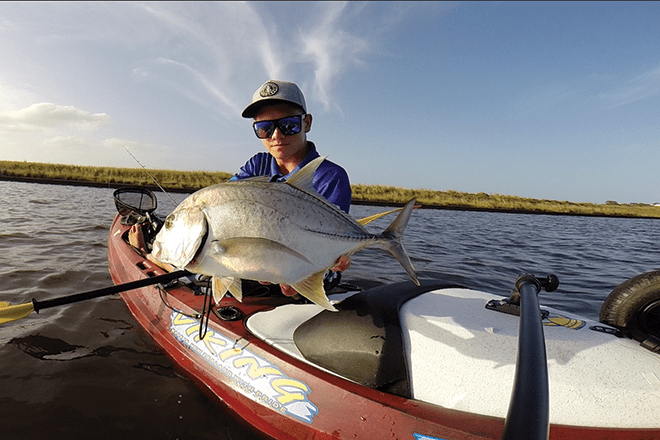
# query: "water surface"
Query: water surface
88,371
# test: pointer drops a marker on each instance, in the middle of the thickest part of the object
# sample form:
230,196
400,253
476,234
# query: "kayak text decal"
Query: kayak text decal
425,437
558,320
256,378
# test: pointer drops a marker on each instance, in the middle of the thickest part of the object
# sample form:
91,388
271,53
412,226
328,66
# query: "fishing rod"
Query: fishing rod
10,312
152,177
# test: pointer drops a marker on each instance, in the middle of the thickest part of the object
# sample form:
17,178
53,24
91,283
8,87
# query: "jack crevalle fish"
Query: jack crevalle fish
278,232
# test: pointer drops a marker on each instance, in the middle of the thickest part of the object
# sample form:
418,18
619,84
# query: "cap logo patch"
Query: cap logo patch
269,89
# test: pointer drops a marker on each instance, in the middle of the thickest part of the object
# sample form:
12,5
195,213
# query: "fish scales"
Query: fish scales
279,232
279,214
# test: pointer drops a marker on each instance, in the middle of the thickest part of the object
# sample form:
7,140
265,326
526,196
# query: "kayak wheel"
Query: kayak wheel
635,306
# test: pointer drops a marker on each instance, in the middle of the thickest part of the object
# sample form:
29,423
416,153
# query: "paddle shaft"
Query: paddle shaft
529,411
39,305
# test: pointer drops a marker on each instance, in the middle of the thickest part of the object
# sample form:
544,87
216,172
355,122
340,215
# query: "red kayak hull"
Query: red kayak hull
278,395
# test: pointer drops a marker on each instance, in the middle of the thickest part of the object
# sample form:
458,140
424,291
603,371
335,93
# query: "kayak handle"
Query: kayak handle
549,283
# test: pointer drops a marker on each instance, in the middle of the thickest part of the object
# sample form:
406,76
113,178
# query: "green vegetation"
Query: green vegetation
367,194
497,202
106,176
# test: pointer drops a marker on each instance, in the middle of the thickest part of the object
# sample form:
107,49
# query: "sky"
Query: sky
548,100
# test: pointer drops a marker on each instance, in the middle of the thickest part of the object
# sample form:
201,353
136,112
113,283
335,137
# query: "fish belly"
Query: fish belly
275,236
263,259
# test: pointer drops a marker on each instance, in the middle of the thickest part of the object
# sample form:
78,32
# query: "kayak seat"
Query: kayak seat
362,341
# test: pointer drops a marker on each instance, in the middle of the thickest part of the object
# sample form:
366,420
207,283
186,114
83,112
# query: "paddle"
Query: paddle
10,313
529,410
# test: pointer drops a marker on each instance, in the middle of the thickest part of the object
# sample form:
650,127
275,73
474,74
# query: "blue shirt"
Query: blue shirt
330,179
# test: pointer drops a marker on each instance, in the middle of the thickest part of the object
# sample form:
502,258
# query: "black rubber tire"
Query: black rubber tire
635,305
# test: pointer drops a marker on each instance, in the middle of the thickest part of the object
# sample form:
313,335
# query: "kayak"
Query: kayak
398,361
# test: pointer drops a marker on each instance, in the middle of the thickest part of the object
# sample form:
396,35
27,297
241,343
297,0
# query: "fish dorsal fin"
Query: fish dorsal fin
258,179
303,178
312,289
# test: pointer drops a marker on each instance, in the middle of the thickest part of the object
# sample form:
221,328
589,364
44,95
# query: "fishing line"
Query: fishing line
206,315
152,177
161,290
203,317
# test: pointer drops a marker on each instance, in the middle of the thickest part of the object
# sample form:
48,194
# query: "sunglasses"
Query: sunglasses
287,126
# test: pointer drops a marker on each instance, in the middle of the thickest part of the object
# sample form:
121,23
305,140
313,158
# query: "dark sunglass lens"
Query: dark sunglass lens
289,126
263,129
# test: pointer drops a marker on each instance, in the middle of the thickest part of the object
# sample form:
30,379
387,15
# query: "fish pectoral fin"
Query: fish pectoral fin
312,289
220,287
254,246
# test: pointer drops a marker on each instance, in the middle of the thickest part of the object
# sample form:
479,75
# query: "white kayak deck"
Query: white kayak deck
462,356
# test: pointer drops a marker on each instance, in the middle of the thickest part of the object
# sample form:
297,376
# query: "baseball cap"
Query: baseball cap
274,91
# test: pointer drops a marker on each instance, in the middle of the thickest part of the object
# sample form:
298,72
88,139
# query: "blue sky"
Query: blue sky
546,100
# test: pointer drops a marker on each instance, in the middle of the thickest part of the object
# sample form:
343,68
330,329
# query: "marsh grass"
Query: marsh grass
376,194
181,180
497,202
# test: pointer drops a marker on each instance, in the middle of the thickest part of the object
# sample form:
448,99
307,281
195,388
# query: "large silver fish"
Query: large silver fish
279,232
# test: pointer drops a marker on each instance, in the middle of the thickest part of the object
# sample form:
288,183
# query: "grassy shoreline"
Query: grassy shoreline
189,181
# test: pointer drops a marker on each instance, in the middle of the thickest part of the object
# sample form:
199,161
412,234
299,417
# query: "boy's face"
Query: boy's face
285,149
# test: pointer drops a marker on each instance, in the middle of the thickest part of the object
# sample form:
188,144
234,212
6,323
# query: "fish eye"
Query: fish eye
169,222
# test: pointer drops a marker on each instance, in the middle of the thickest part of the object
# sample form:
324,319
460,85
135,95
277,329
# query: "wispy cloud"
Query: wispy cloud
216,53
332,51
229,49
143,57
226,50
642,87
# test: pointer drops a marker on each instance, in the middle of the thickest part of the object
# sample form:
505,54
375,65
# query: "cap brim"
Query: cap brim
252,109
